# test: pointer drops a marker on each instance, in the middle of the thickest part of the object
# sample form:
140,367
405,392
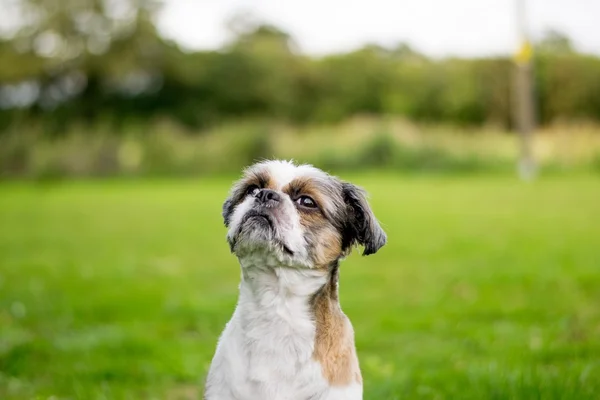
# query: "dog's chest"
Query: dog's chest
276,320
278,344
266,350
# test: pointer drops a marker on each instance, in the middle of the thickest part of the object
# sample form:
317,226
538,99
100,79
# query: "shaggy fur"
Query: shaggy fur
289,226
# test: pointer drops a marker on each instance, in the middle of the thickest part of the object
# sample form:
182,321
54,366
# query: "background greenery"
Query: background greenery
117,288
102,61
88,87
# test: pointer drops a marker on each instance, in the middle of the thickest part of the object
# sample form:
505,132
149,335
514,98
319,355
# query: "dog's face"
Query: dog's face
298,216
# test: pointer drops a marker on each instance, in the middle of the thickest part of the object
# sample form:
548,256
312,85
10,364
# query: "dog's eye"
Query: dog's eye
252,190
306,201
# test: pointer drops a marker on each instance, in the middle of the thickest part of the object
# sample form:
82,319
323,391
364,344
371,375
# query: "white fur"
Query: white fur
283,172
290,231
266,350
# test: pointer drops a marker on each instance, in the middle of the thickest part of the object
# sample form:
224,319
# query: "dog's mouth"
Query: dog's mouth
267,220
258,216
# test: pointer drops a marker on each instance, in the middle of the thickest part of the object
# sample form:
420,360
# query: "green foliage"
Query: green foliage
379,152
257,147
167,149
487,289
384,152
92,61
568,87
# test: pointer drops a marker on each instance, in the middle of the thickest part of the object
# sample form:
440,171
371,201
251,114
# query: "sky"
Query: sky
438,28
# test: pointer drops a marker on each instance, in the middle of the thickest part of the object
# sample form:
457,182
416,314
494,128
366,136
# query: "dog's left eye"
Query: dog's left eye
306,201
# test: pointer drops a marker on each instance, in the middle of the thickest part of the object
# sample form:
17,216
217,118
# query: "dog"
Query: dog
289,226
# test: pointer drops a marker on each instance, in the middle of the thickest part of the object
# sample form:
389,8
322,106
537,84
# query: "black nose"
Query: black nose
268,195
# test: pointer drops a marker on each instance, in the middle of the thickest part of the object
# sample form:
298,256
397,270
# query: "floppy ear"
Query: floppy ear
235,195
361,225
227,211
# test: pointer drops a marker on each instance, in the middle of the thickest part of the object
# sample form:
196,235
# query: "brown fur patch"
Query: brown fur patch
334,341
262,179
307,186
328,247
327,241
259,178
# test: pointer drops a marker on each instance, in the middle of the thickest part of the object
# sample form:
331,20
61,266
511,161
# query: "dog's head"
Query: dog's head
298,215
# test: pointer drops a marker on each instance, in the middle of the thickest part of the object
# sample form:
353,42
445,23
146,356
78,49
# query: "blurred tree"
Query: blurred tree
256,72
568,83
103,62
554,41
99,51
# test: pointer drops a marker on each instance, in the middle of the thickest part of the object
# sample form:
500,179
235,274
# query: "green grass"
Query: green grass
489,288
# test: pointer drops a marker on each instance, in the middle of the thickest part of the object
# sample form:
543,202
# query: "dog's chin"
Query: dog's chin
257,237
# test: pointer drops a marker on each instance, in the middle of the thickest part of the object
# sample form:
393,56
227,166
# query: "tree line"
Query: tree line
97,61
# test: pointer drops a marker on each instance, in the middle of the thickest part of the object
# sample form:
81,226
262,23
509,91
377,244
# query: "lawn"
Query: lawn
489,288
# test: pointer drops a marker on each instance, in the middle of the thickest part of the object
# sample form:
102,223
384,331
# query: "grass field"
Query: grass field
489,288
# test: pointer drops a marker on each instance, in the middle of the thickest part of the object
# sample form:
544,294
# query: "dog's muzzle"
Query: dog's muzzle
268,198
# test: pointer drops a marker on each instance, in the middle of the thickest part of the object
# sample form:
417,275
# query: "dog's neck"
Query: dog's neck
265,281
276,314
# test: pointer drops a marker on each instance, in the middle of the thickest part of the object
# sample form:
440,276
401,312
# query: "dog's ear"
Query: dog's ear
361,225
228,207
235,196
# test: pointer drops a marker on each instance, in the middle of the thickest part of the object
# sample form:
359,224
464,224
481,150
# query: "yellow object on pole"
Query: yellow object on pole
524,111
525,53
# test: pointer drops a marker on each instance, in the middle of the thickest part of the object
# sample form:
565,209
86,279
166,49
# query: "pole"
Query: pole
524,112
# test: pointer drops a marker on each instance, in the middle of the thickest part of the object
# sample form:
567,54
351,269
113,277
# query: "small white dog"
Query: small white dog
288,338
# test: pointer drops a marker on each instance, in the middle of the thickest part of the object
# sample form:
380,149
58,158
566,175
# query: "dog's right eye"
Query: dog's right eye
252,190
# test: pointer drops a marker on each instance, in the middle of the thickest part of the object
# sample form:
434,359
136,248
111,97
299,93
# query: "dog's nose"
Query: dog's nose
268,195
